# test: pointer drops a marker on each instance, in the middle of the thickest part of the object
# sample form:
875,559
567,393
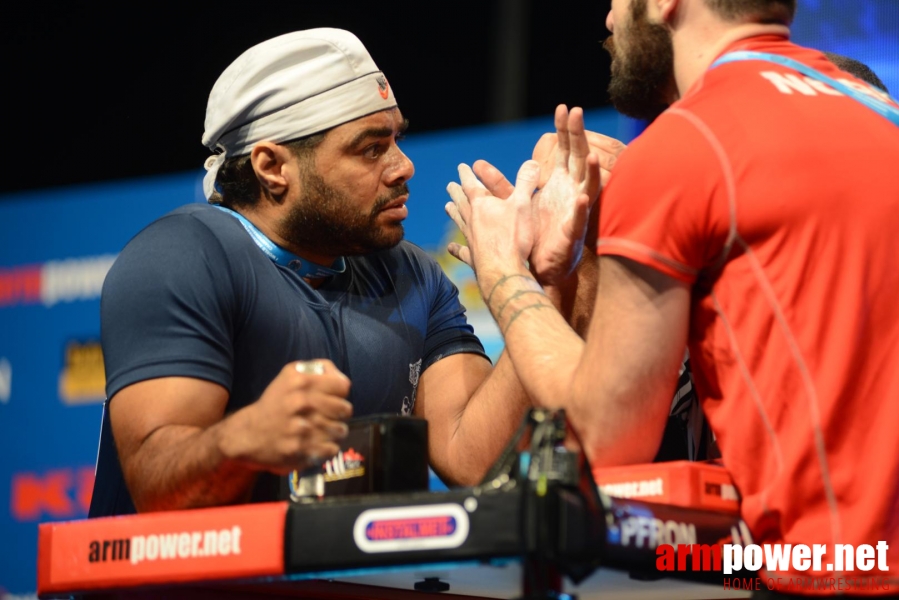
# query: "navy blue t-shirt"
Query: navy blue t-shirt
193,296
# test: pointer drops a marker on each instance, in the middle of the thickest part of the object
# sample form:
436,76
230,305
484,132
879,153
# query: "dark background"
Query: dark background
97,92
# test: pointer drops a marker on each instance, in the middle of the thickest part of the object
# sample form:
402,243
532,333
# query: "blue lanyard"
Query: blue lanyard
304,268
882,108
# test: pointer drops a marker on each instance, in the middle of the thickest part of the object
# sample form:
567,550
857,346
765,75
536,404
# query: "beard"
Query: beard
327,221
642,82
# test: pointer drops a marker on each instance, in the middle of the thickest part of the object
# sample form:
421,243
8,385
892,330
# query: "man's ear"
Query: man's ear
667,8
271,163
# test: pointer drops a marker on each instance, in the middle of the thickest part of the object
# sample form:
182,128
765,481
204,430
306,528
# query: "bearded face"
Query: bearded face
329,222
642,82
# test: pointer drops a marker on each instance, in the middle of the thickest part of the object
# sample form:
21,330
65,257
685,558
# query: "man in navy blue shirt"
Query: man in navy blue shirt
239,337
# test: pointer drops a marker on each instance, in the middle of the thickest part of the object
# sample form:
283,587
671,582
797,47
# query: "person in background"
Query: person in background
857,69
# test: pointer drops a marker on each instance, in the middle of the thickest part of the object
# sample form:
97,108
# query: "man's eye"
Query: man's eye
374,151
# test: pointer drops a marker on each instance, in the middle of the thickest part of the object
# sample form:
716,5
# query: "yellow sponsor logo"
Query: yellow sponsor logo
83,376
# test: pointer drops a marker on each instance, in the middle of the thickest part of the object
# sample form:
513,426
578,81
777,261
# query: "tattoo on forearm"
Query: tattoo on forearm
518,313
518,294
503,280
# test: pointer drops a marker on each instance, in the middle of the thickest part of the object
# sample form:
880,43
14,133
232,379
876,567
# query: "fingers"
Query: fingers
318,426
564,148
301,416
544,148
545,154
459,210
599,143
316,402
593,180
577,140
493,179
526,181
326,429
605,143
320,374
606,148
452,212
307,439
471,186
461,252
590,239
574,147
581,212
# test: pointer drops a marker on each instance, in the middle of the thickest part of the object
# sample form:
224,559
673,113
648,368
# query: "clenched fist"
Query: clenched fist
298,421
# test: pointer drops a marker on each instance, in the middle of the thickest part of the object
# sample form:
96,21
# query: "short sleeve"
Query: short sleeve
167,305
667,203
448,329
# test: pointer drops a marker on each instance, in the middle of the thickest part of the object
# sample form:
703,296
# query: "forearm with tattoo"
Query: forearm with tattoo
512,295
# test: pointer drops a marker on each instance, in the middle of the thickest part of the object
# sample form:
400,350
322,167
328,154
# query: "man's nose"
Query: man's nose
401,168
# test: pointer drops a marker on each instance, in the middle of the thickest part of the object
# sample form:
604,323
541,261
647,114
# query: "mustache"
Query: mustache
380,203
609,45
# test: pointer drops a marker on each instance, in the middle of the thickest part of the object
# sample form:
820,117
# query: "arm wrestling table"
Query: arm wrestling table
536,528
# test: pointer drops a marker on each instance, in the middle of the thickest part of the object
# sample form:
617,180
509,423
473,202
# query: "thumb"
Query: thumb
578,224
493,179
546,147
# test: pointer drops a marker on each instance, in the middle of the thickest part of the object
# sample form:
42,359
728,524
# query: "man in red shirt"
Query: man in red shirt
755,220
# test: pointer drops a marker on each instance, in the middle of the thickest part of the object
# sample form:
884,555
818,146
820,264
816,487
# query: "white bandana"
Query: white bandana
289,87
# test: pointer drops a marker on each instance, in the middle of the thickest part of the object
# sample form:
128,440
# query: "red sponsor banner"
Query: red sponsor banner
20,285
210,544
59,494
702,485
55,281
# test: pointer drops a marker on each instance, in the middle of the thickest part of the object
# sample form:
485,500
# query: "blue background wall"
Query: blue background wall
56,245
866,30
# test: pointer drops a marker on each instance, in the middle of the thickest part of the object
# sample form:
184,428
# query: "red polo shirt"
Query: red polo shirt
778,201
